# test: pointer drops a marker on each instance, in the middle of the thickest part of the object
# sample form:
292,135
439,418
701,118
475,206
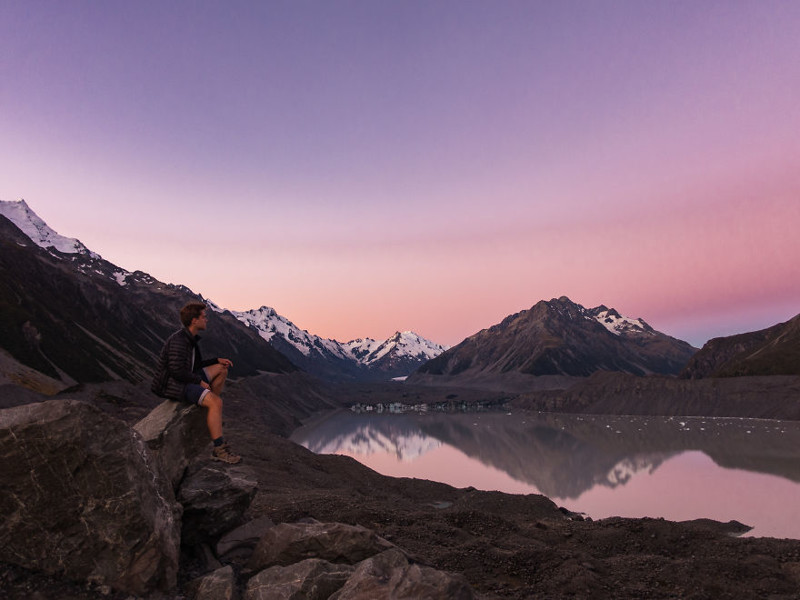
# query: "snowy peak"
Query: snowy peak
269,325
407,344
402,345
362,349
72,250
396,356
609,318
19,213
618,324
85,261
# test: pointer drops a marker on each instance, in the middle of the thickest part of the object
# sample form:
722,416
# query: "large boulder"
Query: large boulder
215,497
310,579
81,499
389,576
175,434
289,543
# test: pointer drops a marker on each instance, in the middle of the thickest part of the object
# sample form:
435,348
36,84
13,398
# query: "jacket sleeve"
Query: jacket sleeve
209,361
179,360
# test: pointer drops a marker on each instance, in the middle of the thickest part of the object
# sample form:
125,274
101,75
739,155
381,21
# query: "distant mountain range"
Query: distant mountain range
73,316
561,338
360,359
67,315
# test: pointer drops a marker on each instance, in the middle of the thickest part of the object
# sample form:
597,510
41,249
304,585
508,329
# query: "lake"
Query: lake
678,468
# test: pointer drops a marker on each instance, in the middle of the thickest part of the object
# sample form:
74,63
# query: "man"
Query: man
183,375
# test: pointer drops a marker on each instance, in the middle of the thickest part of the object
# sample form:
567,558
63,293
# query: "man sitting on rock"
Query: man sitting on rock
183,375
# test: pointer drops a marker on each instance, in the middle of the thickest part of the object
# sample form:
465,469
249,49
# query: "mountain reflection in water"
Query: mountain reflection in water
678,468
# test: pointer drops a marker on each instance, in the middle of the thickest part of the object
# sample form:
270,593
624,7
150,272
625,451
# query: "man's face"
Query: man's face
201,321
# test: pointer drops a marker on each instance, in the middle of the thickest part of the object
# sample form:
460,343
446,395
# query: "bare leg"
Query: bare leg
213,405
217,374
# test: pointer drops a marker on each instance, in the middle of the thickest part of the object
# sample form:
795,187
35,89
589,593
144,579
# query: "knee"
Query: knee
212,401
215,371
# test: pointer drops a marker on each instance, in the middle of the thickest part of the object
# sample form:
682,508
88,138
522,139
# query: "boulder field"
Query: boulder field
95,506
97,503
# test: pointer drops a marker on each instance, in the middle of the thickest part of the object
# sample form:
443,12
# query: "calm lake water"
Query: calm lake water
679,468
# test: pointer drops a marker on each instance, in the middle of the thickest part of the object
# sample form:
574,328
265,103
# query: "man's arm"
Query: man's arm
225,362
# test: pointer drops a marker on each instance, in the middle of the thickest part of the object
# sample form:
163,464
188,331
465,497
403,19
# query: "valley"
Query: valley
76,327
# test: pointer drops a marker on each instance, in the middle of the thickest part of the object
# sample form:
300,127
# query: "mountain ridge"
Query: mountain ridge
771,351
38,231
362,359
562,338
69,317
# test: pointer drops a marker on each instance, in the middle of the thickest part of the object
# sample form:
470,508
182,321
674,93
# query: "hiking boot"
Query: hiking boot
224,454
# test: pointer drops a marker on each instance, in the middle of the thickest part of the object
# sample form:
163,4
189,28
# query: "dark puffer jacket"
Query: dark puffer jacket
174,369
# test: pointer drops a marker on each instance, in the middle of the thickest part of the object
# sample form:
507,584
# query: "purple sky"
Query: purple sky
365,167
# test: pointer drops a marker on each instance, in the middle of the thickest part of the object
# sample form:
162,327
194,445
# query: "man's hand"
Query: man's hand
225,362
203,384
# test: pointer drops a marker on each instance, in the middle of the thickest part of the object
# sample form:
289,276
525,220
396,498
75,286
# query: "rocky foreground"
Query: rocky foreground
365,535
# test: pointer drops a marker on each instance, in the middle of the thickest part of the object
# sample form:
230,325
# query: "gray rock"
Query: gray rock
289,543
80,498
243,540
215,497
218,585
389,576
311,579
175,433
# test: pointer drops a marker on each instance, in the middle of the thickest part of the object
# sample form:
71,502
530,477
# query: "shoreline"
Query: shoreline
507,546
615,466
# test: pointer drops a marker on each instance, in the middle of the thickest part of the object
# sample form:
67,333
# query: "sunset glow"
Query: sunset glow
366,167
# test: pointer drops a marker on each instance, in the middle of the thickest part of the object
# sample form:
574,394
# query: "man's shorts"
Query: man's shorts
194,393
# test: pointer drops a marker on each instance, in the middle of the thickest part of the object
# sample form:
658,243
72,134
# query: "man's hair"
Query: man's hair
190,312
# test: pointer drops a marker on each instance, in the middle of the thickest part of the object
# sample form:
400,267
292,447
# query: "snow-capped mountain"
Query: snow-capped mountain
561,337
403,344
363,358
61,247
358,359
72,317
270,325
19,213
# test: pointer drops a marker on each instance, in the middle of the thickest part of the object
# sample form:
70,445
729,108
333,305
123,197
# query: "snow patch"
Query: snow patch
618,324
19,213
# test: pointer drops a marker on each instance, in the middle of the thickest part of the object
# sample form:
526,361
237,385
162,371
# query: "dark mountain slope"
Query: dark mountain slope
771,351
79,318
362,359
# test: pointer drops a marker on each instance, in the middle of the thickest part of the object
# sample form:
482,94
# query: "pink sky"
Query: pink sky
365,167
